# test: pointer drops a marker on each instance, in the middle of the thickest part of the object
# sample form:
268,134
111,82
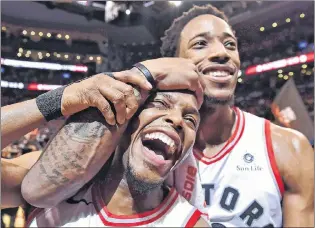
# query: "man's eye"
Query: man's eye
199,44
160,104
230,44
191,120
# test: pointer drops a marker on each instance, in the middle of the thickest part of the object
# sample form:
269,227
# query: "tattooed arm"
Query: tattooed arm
72,158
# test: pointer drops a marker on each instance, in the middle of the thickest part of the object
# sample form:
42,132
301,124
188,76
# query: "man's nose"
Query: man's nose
218,54
175,119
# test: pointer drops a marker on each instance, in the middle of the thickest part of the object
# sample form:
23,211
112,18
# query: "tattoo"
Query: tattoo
42,168
73,201
71,148
86,126
53,153
80,145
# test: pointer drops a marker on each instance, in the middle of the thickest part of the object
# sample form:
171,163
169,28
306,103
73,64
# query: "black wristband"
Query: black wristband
146,73
49,104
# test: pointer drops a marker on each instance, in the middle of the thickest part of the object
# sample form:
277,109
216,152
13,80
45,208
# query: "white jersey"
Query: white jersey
89,210
242,185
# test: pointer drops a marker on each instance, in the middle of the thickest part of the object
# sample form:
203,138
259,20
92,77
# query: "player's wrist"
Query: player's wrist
49,103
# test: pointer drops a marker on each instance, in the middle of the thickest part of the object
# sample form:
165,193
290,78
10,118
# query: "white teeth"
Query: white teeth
155,135
219,73
162,137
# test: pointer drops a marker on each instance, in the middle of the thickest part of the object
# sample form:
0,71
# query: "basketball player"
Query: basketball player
129,190
254,172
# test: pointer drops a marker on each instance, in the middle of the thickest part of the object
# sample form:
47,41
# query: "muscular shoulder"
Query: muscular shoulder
287,140
293,153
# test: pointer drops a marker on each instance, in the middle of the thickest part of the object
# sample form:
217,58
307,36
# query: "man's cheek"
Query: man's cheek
150,115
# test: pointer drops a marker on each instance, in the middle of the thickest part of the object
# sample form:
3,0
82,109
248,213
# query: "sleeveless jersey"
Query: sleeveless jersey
242,185
90,211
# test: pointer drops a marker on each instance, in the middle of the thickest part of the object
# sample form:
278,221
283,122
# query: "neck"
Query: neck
121,196
216,125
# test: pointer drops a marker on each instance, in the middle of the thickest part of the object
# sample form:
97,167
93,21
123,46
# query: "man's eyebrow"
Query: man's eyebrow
172,99
168,97
203,34
192,110
208,34
227,34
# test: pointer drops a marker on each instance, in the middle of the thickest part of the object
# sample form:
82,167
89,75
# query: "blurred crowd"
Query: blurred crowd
16,40
35,140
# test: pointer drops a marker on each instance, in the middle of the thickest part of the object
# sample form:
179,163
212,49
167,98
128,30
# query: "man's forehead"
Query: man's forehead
206,23
187,100
178,97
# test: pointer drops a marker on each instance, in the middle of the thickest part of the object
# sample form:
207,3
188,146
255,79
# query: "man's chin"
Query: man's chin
140,184
211,100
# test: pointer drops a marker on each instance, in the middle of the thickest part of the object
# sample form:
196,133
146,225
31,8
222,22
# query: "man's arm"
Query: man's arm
72,158
12,173
84,144
295,159
169,73
19,119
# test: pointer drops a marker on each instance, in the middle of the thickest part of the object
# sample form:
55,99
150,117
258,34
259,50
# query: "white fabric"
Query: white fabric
186,179
242,181
187,199
174,211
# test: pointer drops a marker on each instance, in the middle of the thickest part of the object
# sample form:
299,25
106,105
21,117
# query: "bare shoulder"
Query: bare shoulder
202,223
287,140
287,133
293,153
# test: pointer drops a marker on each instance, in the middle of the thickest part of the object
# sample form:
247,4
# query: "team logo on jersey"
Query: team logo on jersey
250,166
248,158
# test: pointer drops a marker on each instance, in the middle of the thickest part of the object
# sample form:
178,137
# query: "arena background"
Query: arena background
48,44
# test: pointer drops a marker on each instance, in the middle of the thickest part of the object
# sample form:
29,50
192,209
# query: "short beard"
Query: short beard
138,186
210,101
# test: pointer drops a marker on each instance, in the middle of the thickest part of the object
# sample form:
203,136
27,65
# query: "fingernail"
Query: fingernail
111,122
149,85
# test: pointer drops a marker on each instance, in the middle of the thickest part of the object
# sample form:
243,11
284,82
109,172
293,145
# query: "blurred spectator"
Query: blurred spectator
33,141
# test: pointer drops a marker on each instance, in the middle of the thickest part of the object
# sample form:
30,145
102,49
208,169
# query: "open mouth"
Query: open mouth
160,148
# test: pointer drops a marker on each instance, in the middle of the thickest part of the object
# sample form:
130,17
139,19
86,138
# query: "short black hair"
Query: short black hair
172,35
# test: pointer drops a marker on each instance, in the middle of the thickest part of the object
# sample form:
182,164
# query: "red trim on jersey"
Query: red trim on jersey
231,143
193,219
100,206
272,158
33,215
